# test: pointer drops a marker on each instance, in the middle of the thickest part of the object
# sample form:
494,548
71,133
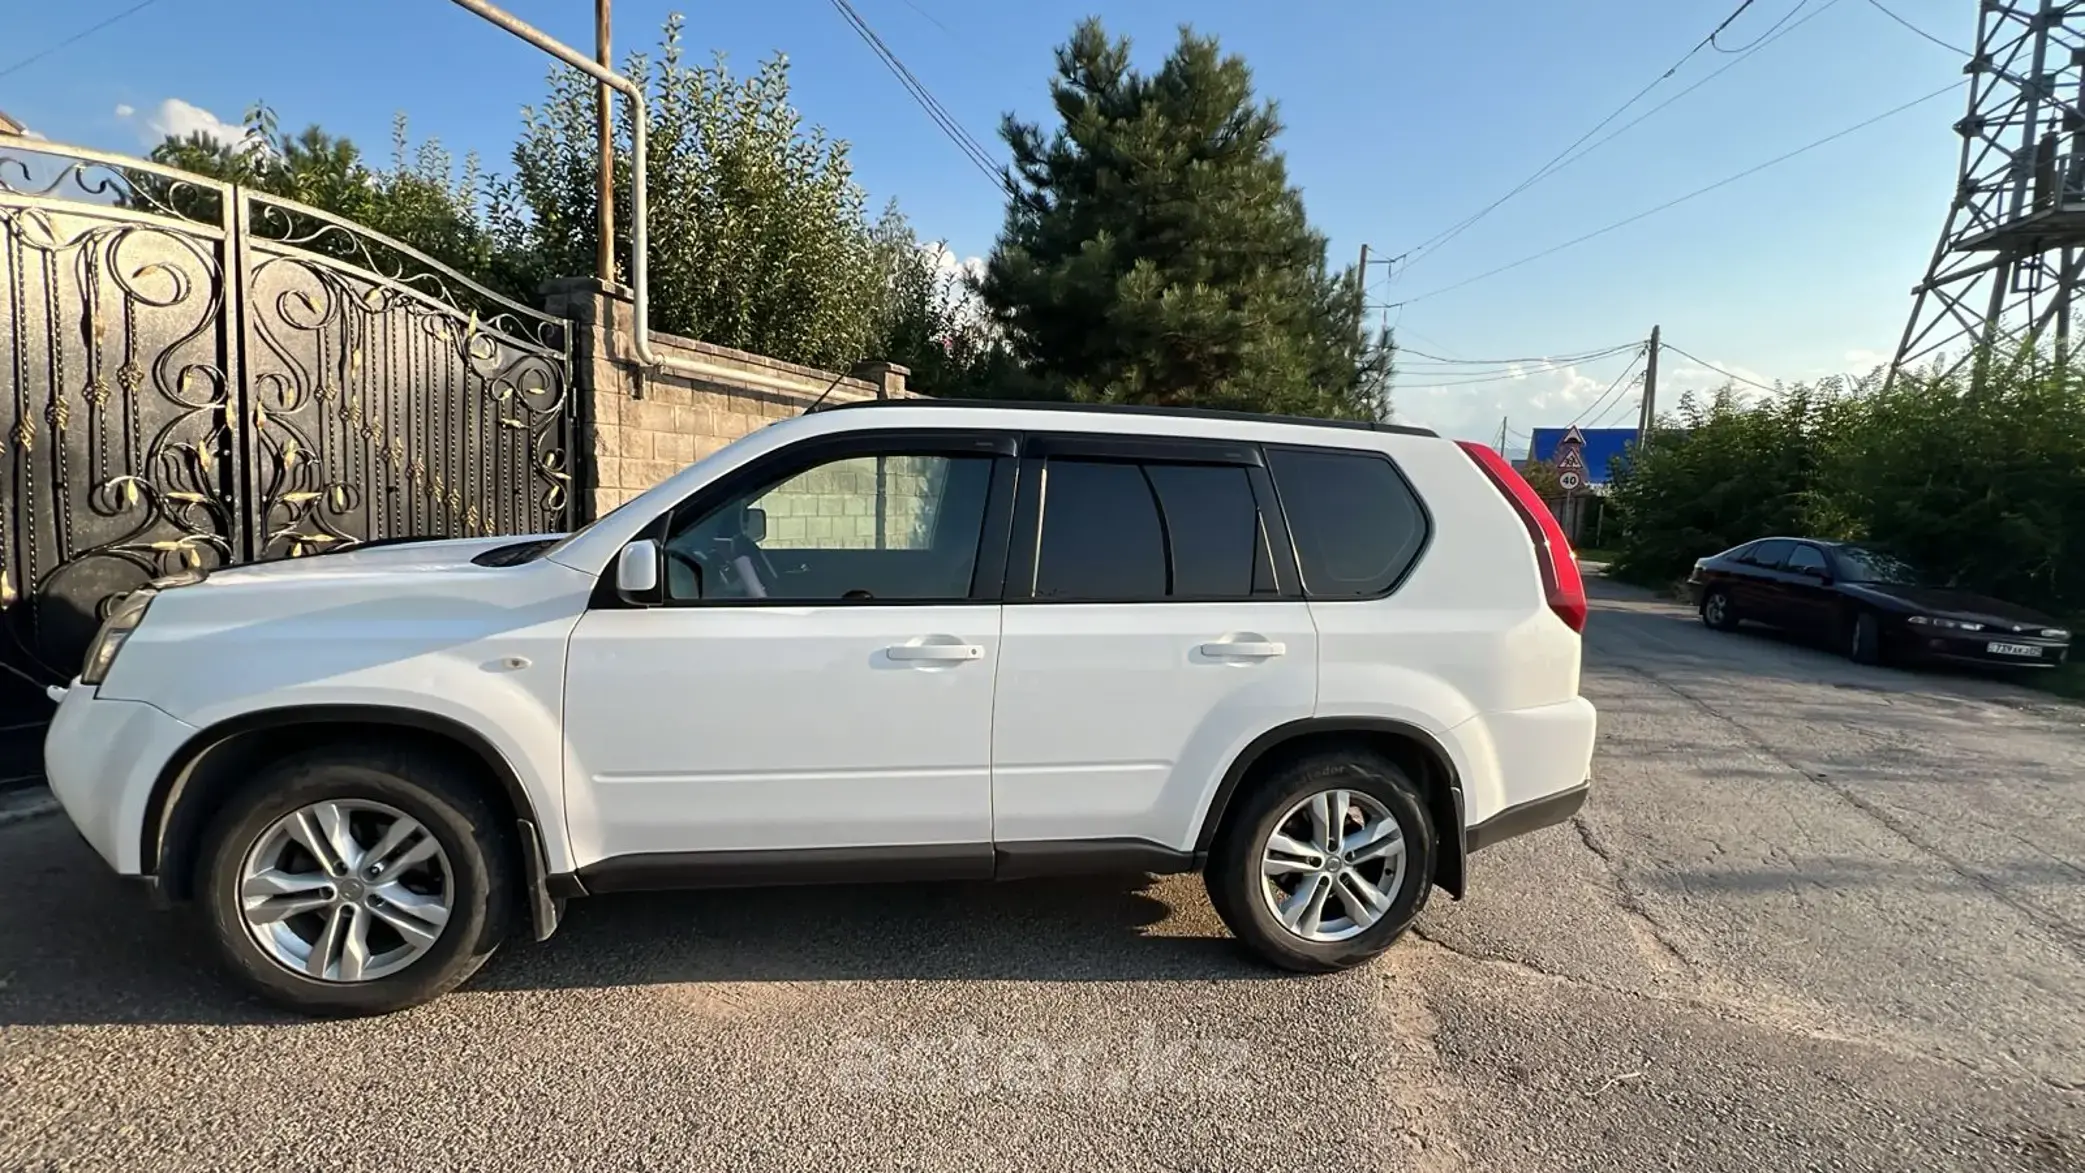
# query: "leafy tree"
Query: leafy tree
760,237
1155,252
418,200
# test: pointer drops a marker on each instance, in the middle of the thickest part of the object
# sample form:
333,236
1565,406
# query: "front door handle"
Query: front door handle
936,653
1245,649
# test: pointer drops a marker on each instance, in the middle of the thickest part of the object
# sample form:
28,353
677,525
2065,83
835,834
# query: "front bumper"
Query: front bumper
103,758
1966,647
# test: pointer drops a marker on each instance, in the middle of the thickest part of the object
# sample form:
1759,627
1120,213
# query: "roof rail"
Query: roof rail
1199,413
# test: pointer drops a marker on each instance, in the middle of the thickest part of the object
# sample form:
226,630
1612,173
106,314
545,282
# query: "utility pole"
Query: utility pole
604,145
1650,392
1503,421
1361,284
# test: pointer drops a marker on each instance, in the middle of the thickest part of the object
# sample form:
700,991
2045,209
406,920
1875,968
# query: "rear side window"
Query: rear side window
1356,525
1128,532
1769,554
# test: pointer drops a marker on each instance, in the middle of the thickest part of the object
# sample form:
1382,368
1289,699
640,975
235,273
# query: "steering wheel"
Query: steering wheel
721,568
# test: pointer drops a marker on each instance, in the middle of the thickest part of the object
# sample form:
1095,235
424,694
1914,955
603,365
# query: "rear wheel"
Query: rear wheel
345,882
1717,611
1325,863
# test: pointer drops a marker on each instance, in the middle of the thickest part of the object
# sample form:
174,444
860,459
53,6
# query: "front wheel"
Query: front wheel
343,882
1864,641
1325,863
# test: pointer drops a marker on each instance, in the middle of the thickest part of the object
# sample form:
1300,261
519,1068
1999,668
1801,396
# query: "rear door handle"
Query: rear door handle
1245,649
936,653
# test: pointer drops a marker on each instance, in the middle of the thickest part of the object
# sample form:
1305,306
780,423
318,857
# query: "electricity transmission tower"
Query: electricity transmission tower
2010,259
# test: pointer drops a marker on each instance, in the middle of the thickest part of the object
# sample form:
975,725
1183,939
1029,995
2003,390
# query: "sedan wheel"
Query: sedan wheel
1716,610
346,891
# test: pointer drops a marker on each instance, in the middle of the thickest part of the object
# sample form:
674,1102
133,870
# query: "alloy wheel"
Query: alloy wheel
346,891
1716,609
1333,865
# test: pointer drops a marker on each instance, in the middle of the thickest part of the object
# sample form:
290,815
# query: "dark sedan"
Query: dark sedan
1872,606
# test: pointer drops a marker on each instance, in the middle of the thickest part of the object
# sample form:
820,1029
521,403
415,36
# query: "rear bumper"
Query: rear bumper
1521,818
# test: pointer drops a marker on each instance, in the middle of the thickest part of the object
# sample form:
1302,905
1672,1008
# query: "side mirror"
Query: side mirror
637,571
753,524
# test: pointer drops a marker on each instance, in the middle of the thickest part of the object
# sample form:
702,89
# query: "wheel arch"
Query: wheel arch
197,779
1416,750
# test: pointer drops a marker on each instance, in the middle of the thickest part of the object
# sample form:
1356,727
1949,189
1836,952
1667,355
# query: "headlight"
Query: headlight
129,612
1952,624
2055,633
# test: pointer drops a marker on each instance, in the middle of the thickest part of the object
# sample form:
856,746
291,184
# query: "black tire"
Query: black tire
1864,638
482,866
1234,878
1719,610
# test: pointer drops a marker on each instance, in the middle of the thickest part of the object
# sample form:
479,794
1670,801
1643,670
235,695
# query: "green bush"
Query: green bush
1979,480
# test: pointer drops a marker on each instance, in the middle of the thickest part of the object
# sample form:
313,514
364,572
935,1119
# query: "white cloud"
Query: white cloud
1525,396
946,261
174,118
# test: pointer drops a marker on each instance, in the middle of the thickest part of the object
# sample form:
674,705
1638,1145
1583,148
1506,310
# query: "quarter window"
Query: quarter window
1356,525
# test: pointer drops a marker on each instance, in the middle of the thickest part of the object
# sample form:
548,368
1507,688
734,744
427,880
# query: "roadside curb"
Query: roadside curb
26,804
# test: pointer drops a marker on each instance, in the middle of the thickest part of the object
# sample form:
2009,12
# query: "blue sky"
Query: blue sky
1403,118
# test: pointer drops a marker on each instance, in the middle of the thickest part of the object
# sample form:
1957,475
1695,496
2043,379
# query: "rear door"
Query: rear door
1805,599
1755,585
1150,630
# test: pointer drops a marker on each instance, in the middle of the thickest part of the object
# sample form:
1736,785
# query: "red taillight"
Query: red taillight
1560,580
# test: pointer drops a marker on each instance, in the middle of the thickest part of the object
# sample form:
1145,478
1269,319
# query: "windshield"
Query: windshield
1863,564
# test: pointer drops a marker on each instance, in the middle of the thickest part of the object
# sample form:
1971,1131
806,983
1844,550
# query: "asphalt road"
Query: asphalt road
1816,917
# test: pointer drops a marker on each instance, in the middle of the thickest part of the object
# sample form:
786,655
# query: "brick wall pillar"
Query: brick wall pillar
602,381
887,377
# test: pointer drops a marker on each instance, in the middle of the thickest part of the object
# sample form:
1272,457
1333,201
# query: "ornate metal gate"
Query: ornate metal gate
196,374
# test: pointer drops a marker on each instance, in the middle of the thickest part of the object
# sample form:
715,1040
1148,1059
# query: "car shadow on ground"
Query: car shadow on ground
78,946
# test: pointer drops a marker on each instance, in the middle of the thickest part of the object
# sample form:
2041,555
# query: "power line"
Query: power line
965,142
1636,401
1604,394
1583,356
1761,39
1417,252
1719,370
82,35
1916,29
1700,191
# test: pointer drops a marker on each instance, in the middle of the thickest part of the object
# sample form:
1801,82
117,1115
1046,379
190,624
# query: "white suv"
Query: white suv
1319,662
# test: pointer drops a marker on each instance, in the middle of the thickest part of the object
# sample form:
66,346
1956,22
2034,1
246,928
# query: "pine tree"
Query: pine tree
1155,252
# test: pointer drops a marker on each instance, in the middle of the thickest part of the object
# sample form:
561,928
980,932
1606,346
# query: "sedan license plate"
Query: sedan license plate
2004,649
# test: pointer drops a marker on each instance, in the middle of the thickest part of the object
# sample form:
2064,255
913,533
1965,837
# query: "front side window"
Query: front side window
899,527
1356,524
1867,564
1121,531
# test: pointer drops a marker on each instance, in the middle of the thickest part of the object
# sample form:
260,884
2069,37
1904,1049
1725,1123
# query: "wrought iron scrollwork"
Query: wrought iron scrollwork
196,375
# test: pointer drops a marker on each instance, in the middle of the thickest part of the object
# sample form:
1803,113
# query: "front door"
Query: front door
820,676
1146,638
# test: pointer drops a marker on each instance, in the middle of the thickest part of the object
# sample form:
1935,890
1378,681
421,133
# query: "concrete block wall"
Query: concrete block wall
637,430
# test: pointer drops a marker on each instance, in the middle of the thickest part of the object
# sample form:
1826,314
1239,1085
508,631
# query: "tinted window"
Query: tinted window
1806,558
860,528
1864,564
1213,526
1101,537
1356,525
1769,554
